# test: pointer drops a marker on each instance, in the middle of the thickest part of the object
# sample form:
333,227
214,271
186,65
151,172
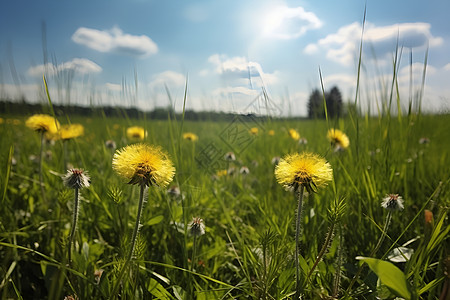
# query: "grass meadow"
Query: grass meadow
350,246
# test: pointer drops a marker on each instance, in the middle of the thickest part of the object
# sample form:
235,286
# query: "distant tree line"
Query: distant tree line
333,101
159,113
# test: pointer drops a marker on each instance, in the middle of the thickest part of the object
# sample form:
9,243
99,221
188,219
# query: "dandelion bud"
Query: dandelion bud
428,216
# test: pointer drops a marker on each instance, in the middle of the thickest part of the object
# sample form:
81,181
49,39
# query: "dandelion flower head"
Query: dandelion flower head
71,131
271,132
144,164
229,156
294,134
338,139
221,173
76,179
42,123
392,202
190,136
254,131
110,144
197,227
305,169
136,133
244,170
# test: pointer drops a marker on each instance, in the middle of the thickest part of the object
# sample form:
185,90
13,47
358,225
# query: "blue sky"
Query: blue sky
125,52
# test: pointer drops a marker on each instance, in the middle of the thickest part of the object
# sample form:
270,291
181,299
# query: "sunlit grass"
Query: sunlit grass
247,248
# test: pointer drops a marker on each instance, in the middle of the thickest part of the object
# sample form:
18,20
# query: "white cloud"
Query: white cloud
115,40
234,90
311,49
113,87
447,67
170,78
343,45
376,87
240,69
340,79
283,22
77,65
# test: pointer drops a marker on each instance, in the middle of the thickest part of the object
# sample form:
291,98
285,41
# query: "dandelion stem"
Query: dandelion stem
297,245
133,241
76,208
194,252
137,224
374,251
383,234
41,178
65,155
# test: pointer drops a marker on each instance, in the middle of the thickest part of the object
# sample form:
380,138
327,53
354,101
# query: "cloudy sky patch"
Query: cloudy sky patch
115,40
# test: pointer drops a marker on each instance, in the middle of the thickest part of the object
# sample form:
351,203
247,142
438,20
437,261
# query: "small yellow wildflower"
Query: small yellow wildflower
136,133
2,120
338,139
144,164
221,173
190,136
306,169
43,123
71,131
294,134
13,121
271,132
254,130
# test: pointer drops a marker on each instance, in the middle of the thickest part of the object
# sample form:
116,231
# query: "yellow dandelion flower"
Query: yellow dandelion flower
136,133
271,132
253,130
13,121
338,139
71,131
43,123
190,136
144,164
306,169
2,121
294,134
221,173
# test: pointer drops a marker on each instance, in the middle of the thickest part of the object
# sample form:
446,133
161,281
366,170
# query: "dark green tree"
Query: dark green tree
315,105
334,102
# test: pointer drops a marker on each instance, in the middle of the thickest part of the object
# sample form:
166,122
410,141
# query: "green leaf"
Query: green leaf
157,290
390,275
154,220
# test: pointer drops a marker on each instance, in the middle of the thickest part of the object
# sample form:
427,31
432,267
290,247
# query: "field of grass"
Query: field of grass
247,251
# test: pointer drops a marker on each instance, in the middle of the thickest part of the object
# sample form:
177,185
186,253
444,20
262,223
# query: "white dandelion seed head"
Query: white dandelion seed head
197,227
76,179
392,202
